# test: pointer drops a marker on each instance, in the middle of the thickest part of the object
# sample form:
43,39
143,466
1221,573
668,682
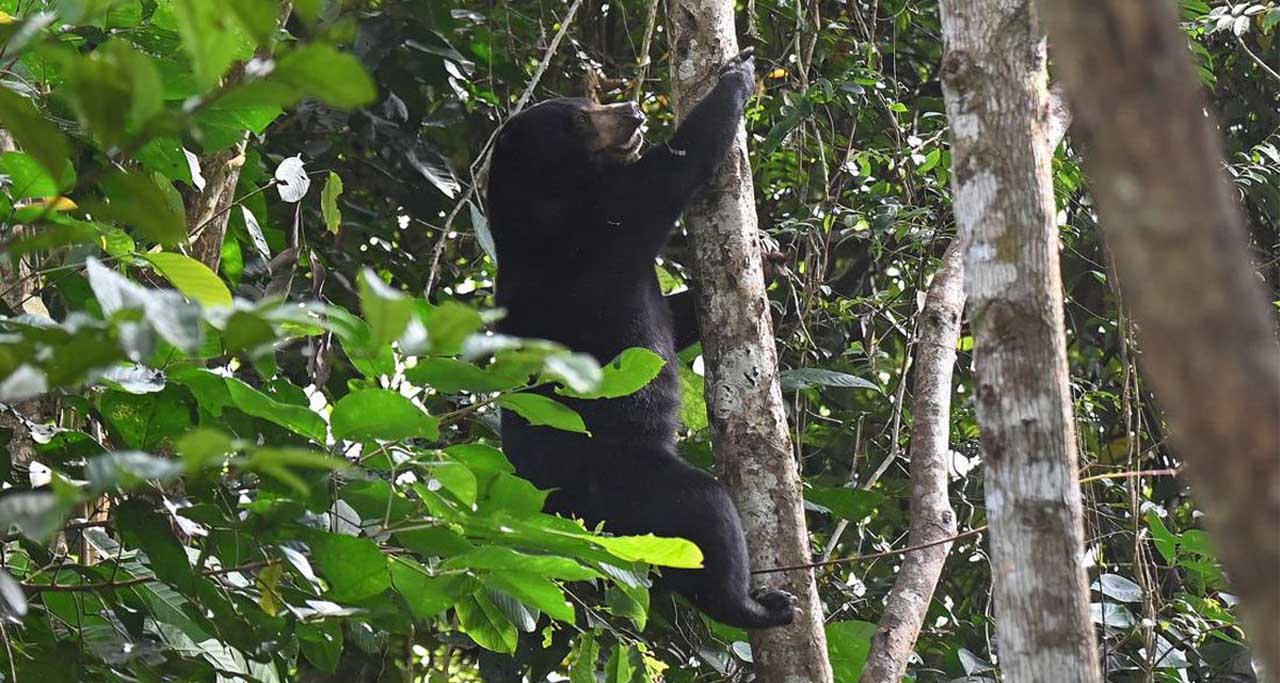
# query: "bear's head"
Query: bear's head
570,133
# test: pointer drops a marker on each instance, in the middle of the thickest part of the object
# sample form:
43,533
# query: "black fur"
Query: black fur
577,231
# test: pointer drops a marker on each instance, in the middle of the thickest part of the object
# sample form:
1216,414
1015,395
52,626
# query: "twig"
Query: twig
964,534
481,165
1256,59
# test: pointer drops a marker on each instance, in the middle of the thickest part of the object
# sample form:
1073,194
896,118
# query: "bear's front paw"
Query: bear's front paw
742,64
781,604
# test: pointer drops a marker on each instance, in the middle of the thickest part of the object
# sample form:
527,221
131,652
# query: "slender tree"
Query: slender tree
752,445
1207,340
997,100
932,518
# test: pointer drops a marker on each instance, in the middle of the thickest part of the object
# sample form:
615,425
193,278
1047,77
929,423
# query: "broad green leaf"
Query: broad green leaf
693,400
456,479
540,410
1118,588
844,502
223,124
28,177
33,132
212,41
496,558
258,17
804,378
128,469
534,590
1165,541
427,595
631,602
484,621
141,527
116,90
848,643
449,325
133,198
354,567
630,372
317,71
191,277
578,372
321,643
300,420
381,414
329,202
450,376
387,310
37,514
584,658
650,549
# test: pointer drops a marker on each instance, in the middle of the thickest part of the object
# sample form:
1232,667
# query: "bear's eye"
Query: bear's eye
584,119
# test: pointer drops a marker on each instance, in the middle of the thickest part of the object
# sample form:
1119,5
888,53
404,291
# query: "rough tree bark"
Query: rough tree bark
209,208
932,518
1207,339
752,445
994,83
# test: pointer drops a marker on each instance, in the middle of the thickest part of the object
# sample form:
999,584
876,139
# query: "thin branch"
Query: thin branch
481,165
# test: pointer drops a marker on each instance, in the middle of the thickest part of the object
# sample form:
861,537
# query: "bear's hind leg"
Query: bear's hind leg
695,506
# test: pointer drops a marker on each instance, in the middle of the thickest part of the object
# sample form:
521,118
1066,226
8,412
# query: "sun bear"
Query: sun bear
577,217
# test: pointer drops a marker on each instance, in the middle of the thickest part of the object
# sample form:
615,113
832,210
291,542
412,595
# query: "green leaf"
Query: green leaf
387,310
450,376
37,514
449,324
427,595
317,70
354,567
584,658
540,410
191,277
116,91
223,124
456,479
630,372
300,420
844,502
535,591
848,643
1166,542
381,414
128,469
140,527
211,39
496,558
650,549
631,602
33,133
28,178
693,399
329,202
578,372
484,621
321,643
133,198
805,378
259,18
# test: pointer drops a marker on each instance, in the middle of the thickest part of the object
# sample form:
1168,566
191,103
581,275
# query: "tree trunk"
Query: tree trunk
1207,339
994,83
752,444
209,208
932,518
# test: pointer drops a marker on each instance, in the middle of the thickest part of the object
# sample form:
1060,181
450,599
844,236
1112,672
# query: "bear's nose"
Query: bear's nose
633,113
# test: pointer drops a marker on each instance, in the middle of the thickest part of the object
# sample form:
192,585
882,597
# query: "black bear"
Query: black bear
578,217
